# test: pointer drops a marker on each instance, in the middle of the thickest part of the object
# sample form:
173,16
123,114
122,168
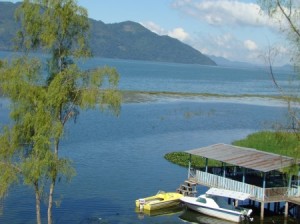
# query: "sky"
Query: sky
237,30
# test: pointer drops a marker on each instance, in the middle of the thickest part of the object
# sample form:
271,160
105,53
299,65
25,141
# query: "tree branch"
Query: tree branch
11,166
288,18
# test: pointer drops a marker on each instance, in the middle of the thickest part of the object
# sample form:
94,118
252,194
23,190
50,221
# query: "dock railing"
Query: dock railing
294,191
257,193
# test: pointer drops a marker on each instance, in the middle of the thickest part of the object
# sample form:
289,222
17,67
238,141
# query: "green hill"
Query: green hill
125,40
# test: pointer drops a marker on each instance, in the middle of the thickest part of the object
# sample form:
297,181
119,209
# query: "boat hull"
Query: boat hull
216,207
159,201
161,205
214,212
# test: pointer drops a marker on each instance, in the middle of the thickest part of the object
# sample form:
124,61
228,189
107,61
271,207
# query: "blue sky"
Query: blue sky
234,29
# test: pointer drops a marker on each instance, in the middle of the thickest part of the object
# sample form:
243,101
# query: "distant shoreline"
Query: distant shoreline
154,96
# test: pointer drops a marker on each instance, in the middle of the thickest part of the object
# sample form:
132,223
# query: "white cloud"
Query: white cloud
232,29
228,46
250,45
224,12
178,33
154,27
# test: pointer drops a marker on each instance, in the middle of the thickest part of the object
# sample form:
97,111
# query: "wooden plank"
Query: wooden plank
294,200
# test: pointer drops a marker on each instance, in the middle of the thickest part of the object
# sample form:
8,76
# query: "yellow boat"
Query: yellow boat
160,200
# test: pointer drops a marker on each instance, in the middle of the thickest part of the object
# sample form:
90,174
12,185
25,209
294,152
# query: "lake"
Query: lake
120,159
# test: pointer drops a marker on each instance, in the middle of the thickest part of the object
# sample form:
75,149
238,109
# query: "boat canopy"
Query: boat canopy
227,193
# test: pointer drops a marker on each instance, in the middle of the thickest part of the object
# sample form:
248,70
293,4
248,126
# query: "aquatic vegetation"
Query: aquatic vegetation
182,159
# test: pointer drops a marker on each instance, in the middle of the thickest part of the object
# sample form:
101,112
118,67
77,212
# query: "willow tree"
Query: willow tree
25,147
43,104
286,13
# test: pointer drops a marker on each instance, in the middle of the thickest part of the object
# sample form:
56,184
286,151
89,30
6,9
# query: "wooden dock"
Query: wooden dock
294,200
248,171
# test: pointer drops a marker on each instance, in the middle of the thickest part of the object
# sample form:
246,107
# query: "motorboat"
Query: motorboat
214,204
160,200
190,216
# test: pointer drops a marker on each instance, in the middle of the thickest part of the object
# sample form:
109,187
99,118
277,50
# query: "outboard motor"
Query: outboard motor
142,203
248,216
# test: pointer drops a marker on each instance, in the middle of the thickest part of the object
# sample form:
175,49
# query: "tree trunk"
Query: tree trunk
37,203
52,185
50,203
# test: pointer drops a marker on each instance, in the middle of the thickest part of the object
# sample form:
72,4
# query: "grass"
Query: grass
283,143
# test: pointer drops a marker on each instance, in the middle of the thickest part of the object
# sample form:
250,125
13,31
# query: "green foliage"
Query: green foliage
282,143
182,159
26,143
9,169
57,25
40,105
99,87
179,158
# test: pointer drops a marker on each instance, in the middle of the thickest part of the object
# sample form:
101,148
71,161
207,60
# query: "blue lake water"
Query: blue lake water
151,76
120,159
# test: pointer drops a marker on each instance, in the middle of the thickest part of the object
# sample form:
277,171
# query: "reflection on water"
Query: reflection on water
195,217
159,212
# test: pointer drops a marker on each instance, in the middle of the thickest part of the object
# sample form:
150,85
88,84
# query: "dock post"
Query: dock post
224,169
189,171
262,210
286,209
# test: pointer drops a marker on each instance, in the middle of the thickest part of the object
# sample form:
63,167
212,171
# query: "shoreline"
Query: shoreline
131,96
151,96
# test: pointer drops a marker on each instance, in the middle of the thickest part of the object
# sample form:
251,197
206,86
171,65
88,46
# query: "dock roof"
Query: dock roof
244,157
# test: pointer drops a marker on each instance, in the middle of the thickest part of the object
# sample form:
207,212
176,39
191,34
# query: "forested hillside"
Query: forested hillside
125,40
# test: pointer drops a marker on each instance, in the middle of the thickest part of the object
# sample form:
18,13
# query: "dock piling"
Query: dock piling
262,210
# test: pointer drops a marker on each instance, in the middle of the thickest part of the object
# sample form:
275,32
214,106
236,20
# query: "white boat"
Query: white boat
215,205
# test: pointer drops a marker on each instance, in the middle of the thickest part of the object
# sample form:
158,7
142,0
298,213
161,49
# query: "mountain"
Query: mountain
125,40
8,26
220,61
237,64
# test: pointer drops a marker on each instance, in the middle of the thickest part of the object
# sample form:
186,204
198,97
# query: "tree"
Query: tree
286,13
42,105
25,147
